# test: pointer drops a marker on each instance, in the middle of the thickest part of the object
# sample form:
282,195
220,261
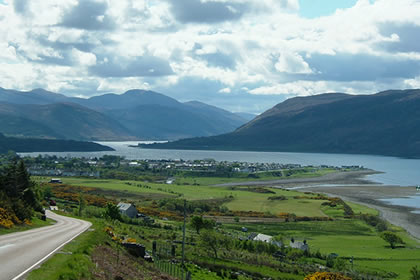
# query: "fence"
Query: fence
162,255
172,269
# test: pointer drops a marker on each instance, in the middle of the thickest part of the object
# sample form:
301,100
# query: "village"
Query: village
95,167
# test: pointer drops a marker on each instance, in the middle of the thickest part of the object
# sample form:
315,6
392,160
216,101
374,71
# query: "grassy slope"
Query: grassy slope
348,238
243,200
262,176
36,223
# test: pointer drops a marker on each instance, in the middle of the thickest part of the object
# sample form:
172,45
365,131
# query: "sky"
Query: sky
240,55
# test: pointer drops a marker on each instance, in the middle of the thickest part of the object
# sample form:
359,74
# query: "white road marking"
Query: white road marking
6,246
47,256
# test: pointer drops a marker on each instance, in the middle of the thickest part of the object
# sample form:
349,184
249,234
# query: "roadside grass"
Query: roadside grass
348,238
35,223
73,260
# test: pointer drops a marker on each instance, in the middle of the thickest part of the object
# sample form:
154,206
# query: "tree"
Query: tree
17,192
198,223
391,238
213,241
415,273
112,212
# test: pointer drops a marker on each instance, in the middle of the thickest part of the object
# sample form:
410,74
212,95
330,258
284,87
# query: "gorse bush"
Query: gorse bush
326,276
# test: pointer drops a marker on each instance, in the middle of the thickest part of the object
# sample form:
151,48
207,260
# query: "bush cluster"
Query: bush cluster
18,196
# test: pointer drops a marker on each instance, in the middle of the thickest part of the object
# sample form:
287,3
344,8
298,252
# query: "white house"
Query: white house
267,239
127,209
263,237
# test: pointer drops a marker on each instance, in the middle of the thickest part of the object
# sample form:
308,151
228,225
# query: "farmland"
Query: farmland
323,222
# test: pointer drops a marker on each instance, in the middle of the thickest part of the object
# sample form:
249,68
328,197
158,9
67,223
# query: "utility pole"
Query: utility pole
183,233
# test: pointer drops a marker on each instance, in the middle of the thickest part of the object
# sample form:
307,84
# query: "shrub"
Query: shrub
8,218
326,276
277,197
415,273
391,238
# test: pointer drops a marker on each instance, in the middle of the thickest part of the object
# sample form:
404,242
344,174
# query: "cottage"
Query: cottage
299,245
55,181
265,238
127,209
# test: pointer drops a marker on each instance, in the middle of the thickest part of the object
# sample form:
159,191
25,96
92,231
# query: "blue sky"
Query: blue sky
241,55
317,8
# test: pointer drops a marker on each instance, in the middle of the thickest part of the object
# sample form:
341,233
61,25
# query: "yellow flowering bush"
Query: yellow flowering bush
8,219
326,276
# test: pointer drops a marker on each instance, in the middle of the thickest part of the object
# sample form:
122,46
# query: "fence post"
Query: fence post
154,248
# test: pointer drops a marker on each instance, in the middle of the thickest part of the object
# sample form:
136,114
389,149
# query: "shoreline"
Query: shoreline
371,195
354,187
342,177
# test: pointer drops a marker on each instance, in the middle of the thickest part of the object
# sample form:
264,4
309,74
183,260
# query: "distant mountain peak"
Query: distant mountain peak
139,91
136,113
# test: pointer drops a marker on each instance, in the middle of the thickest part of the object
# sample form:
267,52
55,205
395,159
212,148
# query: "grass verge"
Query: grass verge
35,223
73,260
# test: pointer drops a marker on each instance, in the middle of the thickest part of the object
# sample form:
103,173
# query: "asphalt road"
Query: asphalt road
23,251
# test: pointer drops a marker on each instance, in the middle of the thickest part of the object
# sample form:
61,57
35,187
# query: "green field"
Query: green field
244,199
346,237
259,176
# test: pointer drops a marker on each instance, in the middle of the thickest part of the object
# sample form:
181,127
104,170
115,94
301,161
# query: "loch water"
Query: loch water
396,171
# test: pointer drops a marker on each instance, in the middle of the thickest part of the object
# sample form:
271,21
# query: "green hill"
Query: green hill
59,121
23,145
386,123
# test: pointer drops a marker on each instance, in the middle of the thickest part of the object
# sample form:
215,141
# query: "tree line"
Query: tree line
19,197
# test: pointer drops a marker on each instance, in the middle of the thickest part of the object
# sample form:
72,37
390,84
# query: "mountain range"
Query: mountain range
134,115
386,123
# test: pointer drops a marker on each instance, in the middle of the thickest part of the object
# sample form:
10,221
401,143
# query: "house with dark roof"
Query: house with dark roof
127,209
299,245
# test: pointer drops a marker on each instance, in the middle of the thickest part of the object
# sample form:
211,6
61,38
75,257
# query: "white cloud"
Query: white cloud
122,85
292,63
225,90
263,46
84,58
300,88
413,83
